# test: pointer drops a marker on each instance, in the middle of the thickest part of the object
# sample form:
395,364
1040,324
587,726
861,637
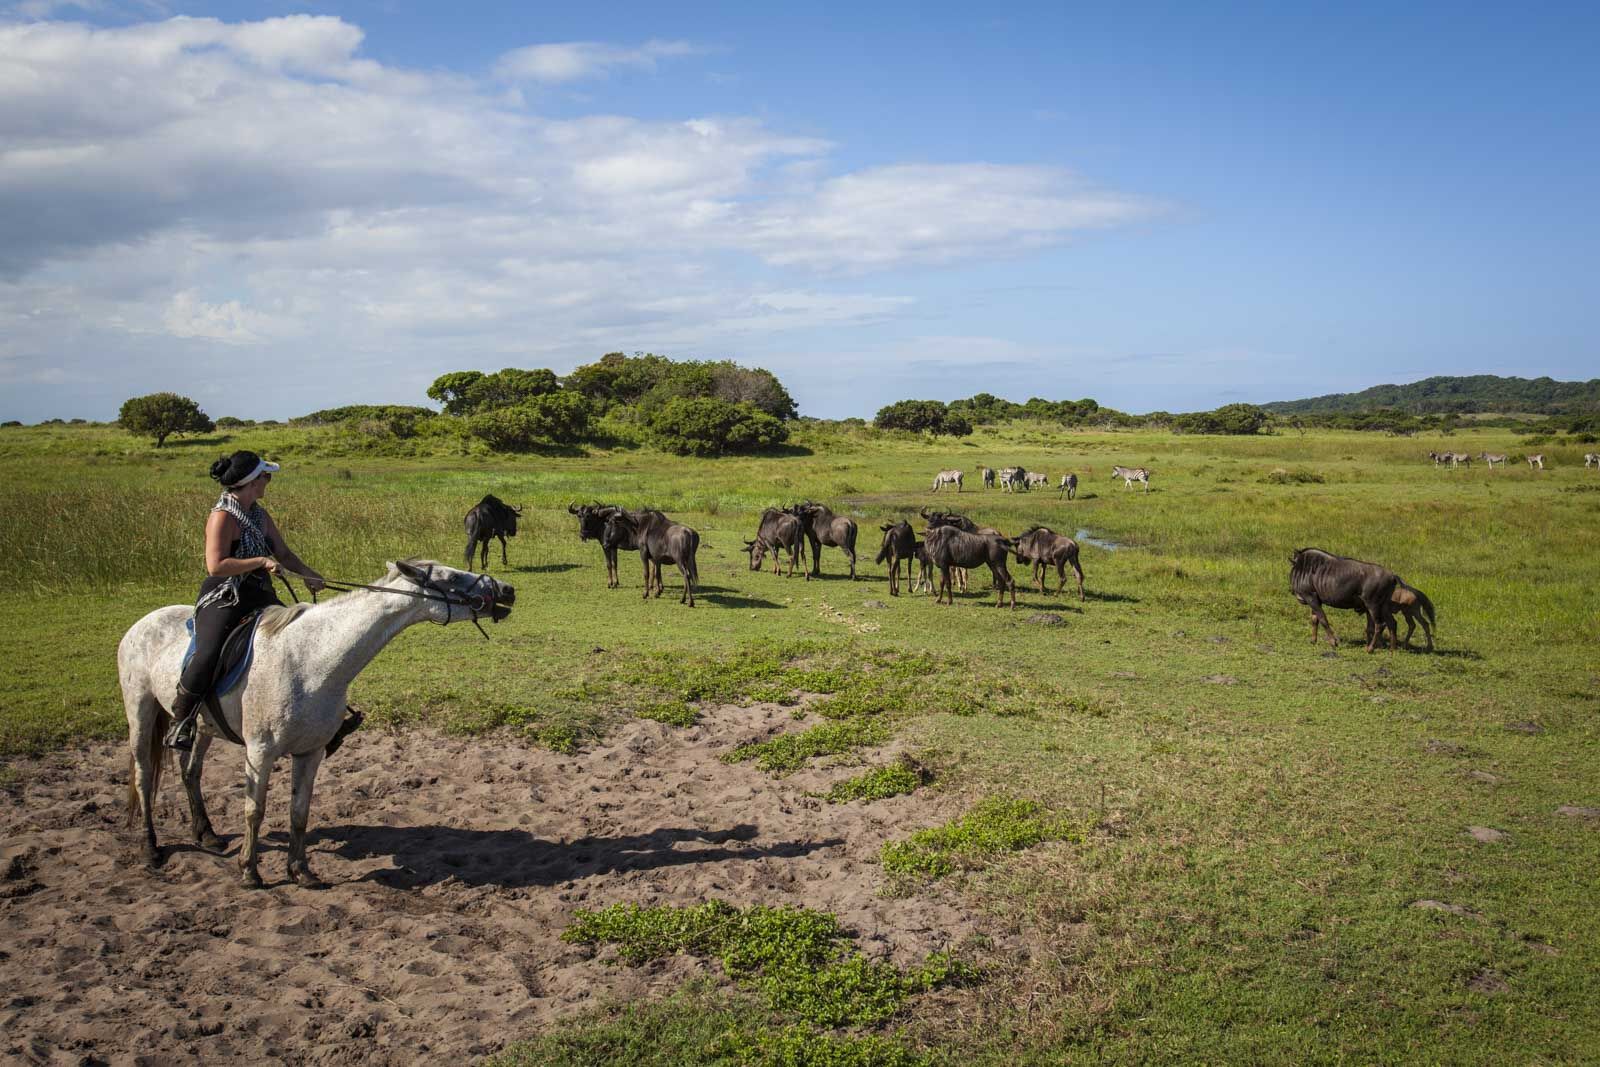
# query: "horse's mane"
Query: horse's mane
276,618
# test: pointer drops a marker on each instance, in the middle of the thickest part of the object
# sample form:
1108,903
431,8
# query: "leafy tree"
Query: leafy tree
451,390
554,418
930,416
508,387
707,426
160,415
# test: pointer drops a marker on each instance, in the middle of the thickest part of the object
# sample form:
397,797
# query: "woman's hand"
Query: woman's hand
270,565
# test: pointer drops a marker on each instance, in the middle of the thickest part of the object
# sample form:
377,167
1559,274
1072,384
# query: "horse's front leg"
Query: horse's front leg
257,772
199,821
305,777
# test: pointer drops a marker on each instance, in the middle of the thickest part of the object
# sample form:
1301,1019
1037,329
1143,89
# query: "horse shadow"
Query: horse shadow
722,600
430,855
548,568
1110,598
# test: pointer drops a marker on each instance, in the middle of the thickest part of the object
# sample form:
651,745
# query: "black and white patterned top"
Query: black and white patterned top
253,539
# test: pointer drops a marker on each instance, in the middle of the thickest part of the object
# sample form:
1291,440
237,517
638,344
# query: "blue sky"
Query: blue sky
277,208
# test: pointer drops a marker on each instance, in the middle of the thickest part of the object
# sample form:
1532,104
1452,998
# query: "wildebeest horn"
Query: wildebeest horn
572,508
923,511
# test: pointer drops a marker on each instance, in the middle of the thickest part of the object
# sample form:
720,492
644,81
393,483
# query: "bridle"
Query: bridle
478,602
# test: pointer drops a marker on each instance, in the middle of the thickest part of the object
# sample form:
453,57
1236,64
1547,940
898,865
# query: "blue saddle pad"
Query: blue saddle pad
237,650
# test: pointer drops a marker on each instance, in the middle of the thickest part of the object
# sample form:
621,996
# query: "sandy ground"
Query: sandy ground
454,866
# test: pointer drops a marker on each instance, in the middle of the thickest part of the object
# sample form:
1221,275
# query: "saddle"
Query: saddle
238,648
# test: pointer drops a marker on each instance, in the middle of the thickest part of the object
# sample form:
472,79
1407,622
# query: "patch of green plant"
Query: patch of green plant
671,712
801,961
1298,476
880,783
789,752
994,826
803,1046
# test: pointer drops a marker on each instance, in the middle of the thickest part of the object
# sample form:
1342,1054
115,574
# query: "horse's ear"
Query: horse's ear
411,570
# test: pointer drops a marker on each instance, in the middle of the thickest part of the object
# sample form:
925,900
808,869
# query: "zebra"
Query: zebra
1536,461
987,474
1129,475
1011,477
1439,458
1458,459
1069,485
1591,459
947,478
1036,478
1491,458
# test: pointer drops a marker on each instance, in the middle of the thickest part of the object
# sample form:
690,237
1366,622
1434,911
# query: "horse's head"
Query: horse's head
454,594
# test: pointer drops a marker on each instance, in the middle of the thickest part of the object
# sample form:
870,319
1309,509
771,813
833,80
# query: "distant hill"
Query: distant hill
1442,395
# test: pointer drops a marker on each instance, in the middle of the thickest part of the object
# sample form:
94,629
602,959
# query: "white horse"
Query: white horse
947,478
292,701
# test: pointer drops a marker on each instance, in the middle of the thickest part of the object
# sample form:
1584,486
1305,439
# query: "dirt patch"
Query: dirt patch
454,864
1487,835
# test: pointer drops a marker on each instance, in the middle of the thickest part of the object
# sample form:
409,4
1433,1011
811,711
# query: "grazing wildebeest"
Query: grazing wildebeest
1010,478
488,519
291,703
947,478
949,547
778,530
1491,458
1129,475
899,543
987,474
660,540
1318,578
1032,479
1045,548
1536,461
1591,459
1069,485
592,527
823,527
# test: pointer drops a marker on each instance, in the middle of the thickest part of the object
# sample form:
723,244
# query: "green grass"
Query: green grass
789,752
1265,814
880,783
994,826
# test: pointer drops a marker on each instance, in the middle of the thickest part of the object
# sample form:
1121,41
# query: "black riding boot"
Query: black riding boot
186,710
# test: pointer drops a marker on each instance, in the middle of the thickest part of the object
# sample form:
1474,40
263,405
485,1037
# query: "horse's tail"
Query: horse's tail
158,759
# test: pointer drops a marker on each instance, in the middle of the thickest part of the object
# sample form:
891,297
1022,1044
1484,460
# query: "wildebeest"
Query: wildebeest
1010,478
1045,548
778,530
987,474
1069,485
592,527
936,519
488,519
951,477
1536,461
1129,475
823,527
660,540
1318,578
950,546
1417,608
899,543
1491,458
1032,479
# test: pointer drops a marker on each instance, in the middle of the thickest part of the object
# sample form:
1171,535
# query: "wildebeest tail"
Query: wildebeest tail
883,553
1422,602
694,553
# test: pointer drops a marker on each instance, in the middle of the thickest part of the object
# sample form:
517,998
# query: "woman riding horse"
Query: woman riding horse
243,551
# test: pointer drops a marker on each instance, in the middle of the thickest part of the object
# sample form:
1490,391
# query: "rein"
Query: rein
427,590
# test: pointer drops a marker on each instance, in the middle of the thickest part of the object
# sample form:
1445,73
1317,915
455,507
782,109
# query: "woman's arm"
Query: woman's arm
287,555
221,531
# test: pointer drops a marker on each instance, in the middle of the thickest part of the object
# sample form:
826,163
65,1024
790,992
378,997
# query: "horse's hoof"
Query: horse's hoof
305,879
250,878
210,841
152,856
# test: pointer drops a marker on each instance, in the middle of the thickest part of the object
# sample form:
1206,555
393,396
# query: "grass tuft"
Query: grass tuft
994,826
789,752
880,783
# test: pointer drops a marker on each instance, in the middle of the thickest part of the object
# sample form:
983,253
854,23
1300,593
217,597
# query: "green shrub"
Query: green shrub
708,426
553,418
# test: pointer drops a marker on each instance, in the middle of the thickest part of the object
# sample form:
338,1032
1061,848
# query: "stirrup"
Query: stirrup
181,735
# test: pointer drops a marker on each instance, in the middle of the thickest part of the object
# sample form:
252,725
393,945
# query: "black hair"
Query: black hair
230,469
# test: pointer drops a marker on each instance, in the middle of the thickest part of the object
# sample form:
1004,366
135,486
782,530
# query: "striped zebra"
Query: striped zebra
1536,461
1010,478
1069,485
987,474
1129,475
1439,458
1491,458
1035,479
1591,459
947,478
1459,459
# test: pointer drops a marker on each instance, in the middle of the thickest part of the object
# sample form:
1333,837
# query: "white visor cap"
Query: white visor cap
262,467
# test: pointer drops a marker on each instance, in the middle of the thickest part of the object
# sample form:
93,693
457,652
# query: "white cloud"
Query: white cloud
171,186
581,60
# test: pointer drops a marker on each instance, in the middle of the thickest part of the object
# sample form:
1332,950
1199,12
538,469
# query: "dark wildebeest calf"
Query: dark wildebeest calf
823,527
1045,549
660,540
592,527
488,519
778,529
949,547
1318,578
1414,604
899,543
